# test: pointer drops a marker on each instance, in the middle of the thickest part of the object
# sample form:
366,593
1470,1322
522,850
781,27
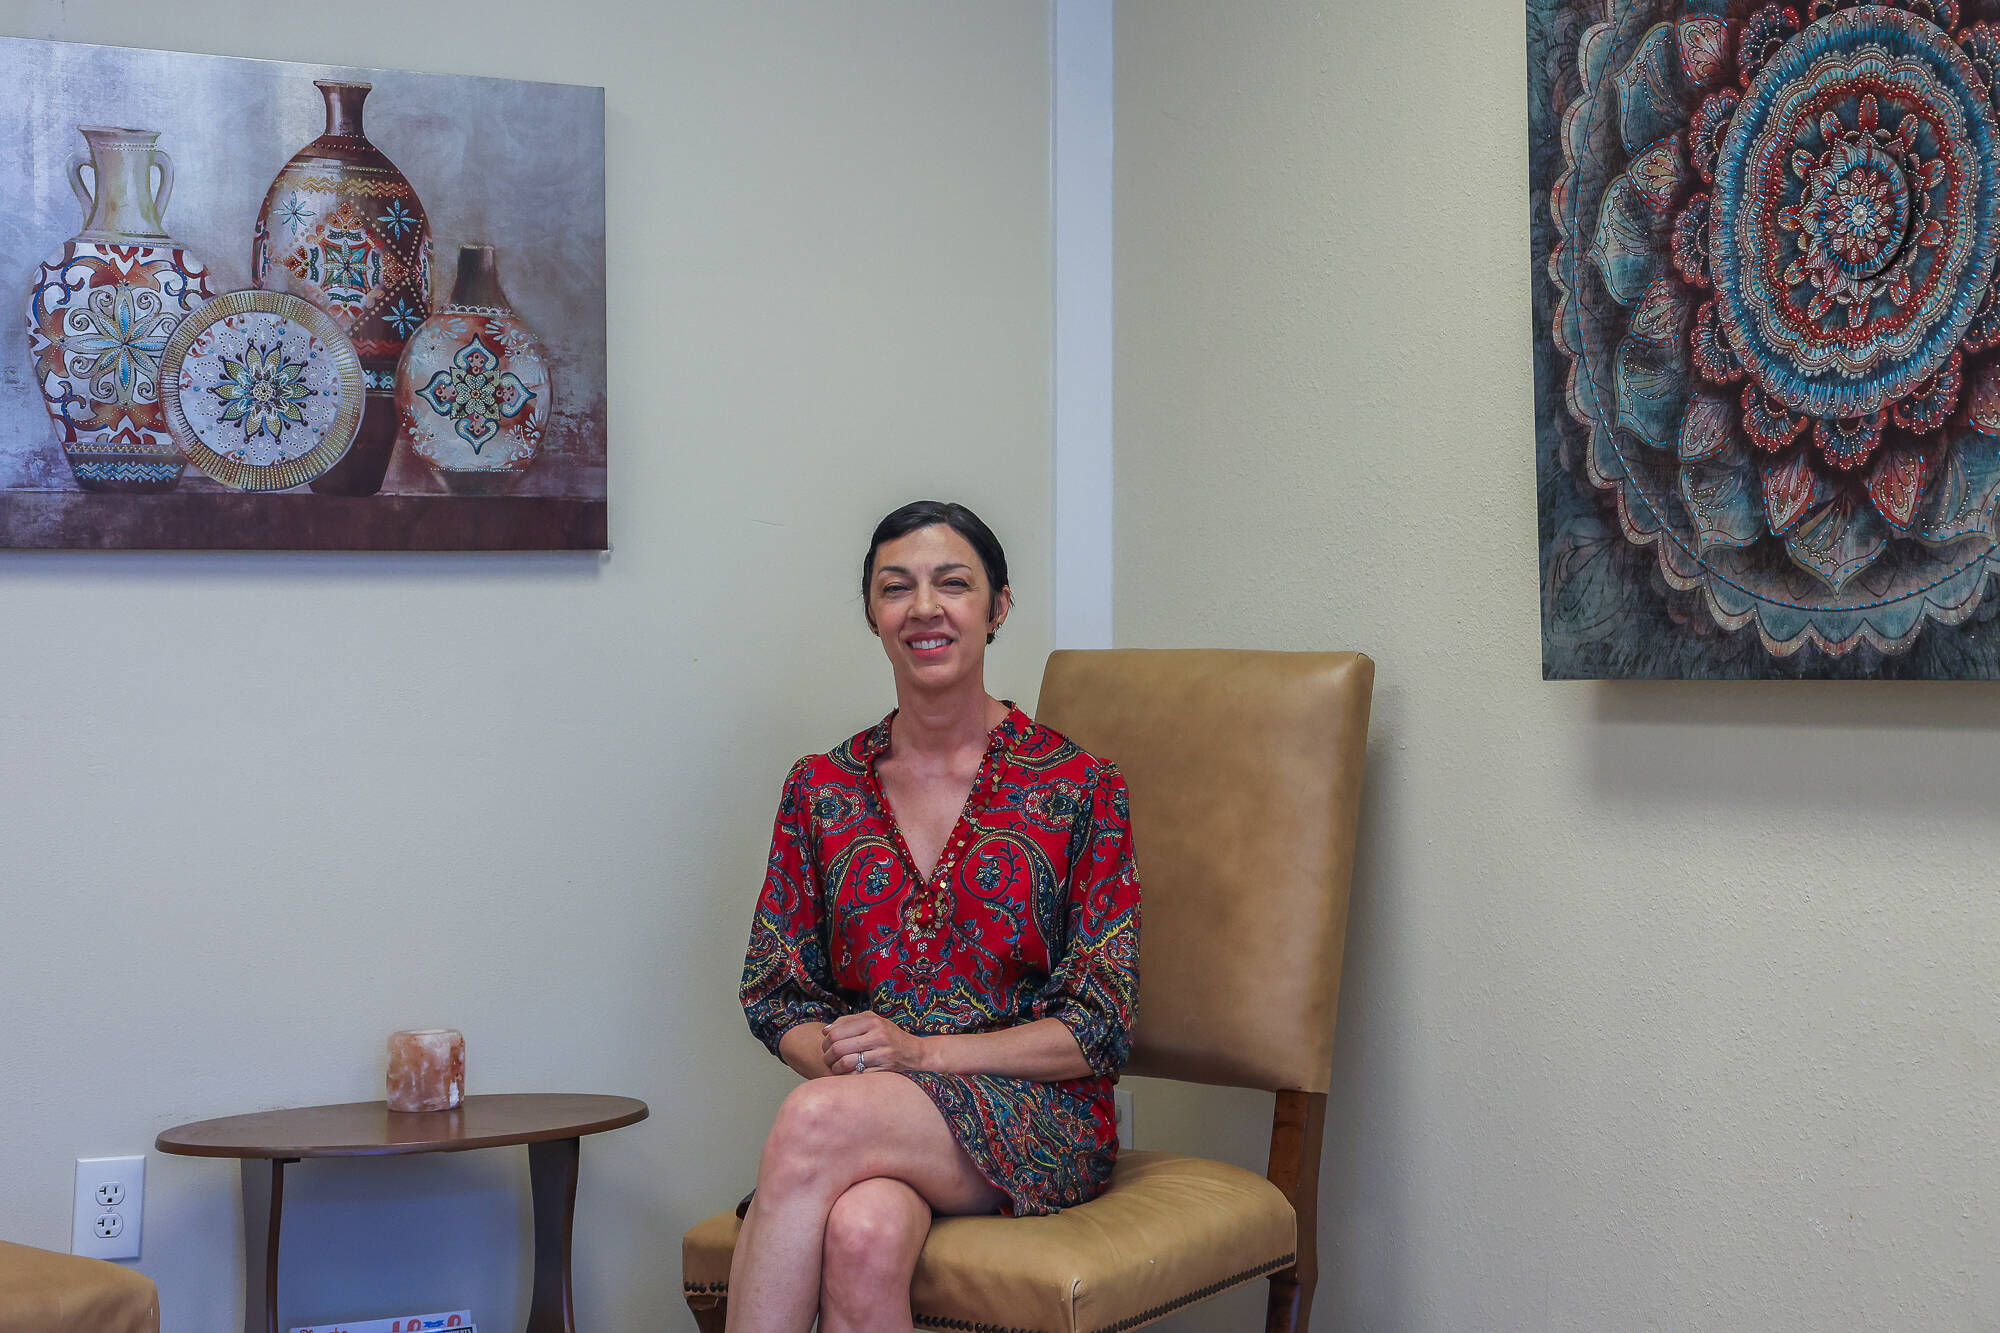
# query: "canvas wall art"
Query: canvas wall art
1767,336
268,305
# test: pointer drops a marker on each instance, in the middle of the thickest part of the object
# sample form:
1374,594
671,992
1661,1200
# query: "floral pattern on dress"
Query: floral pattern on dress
1033,912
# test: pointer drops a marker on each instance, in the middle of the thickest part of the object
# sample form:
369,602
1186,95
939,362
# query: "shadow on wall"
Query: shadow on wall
1363,1217
299,570
1830,747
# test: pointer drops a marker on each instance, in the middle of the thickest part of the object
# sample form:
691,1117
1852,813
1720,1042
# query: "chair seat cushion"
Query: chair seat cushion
45,1292
1167,1231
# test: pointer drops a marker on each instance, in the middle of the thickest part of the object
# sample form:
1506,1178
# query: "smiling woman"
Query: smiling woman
951,898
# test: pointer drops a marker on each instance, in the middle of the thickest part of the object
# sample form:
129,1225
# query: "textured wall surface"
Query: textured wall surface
257,811
1666,1005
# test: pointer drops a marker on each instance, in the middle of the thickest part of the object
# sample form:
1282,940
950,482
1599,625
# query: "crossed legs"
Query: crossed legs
852,1171
873,1237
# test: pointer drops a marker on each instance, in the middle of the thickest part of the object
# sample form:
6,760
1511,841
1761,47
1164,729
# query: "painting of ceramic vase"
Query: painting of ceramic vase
342,228
473,392
101,310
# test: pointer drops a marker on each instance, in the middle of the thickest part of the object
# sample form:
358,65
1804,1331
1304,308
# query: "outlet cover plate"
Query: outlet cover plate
126,1177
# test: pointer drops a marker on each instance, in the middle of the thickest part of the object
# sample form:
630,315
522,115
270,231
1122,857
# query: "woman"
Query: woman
946,948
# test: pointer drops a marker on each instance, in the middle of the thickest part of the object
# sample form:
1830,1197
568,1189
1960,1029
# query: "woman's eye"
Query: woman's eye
959,584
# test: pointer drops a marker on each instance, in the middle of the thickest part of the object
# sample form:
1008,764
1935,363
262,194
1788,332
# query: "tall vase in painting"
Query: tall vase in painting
473,392
342,228
101,310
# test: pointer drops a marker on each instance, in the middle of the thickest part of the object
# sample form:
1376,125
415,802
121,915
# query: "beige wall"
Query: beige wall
527,796
1666,1006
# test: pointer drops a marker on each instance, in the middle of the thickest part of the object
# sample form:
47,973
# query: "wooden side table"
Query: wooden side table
551,1124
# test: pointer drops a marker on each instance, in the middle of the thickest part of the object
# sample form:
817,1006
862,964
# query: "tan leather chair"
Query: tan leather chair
1245,776
45,1292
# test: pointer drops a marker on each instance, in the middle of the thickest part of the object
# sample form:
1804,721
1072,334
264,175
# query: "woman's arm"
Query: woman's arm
1044,1050
787,983
1094,987
802,1049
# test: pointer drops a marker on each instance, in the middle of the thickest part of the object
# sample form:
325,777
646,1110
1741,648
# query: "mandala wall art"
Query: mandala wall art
1767,336
262,307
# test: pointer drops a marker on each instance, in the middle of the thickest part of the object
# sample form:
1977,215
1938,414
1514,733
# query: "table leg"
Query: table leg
263,1205
552,1170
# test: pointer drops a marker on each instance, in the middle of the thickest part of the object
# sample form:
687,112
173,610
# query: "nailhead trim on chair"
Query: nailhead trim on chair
1147,1317
1201,1294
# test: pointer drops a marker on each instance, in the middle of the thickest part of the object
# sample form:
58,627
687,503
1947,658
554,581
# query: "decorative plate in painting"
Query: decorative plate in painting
265,391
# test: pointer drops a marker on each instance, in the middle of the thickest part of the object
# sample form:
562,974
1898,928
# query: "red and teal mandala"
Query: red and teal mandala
1774,309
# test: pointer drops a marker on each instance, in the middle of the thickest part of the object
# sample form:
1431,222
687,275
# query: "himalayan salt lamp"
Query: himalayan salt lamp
426,1070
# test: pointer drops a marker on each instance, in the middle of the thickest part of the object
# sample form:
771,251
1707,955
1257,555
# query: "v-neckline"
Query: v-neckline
955,838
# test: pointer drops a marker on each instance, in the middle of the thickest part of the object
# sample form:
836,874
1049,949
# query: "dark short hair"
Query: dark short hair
933,513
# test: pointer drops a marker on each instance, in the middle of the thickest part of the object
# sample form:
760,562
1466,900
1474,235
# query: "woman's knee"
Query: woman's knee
812,1126
874,1233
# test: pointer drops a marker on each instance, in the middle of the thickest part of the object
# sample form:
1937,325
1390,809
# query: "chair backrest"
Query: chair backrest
1245,776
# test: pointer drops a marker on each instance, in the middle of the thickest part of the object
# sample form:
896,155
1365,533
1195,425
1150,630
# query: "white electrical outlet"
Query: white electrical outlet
110,1194
1122,1100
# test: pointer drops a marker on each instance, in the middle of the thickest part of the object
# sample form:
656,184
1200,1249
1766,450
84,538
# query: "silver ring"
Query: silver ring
860,1063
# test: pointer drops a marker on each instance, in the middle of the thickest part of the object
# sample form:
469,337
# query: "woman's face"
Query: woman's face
929,600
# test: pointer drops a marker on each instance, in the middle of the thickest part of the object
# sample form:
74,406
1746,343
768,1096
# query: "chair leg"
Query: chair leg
710,1312
1298,1128
1291,1302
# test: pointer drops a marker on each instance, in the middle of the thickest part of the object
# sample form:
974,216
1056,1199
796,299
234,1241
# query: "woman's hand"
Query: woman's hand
859,1043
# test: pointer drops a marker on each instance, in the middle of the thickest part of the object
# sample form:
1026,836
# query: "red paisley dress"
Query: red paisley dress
1033,912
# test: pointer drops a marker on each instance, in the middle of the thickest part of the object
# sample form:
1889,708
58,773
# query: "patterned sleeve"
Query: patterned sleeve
1094,988
786,978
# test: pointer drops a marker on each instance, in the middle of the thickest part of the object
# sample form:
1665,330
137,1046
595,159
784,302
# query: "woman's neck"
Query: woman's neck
936,727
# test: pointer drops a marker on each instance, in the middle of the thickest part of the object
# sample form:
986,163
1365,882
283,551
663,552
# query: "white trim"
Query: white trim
1080,147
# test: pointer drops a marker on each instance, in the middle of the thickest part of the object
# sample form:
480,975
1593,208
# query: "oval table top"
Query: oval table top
370,1129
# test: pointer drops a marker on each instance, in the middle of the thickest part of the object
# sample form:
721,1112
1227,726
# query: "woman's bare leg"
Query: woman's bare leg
874,1234
830,1134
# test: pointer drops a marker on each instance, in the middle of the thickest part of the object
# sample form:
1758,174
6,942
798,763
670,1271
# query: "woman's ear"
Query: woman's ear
1003,602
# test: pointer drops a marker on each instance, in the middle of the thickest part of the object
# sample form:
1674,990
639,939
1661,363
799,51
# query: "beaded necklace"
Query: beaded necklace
927,907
